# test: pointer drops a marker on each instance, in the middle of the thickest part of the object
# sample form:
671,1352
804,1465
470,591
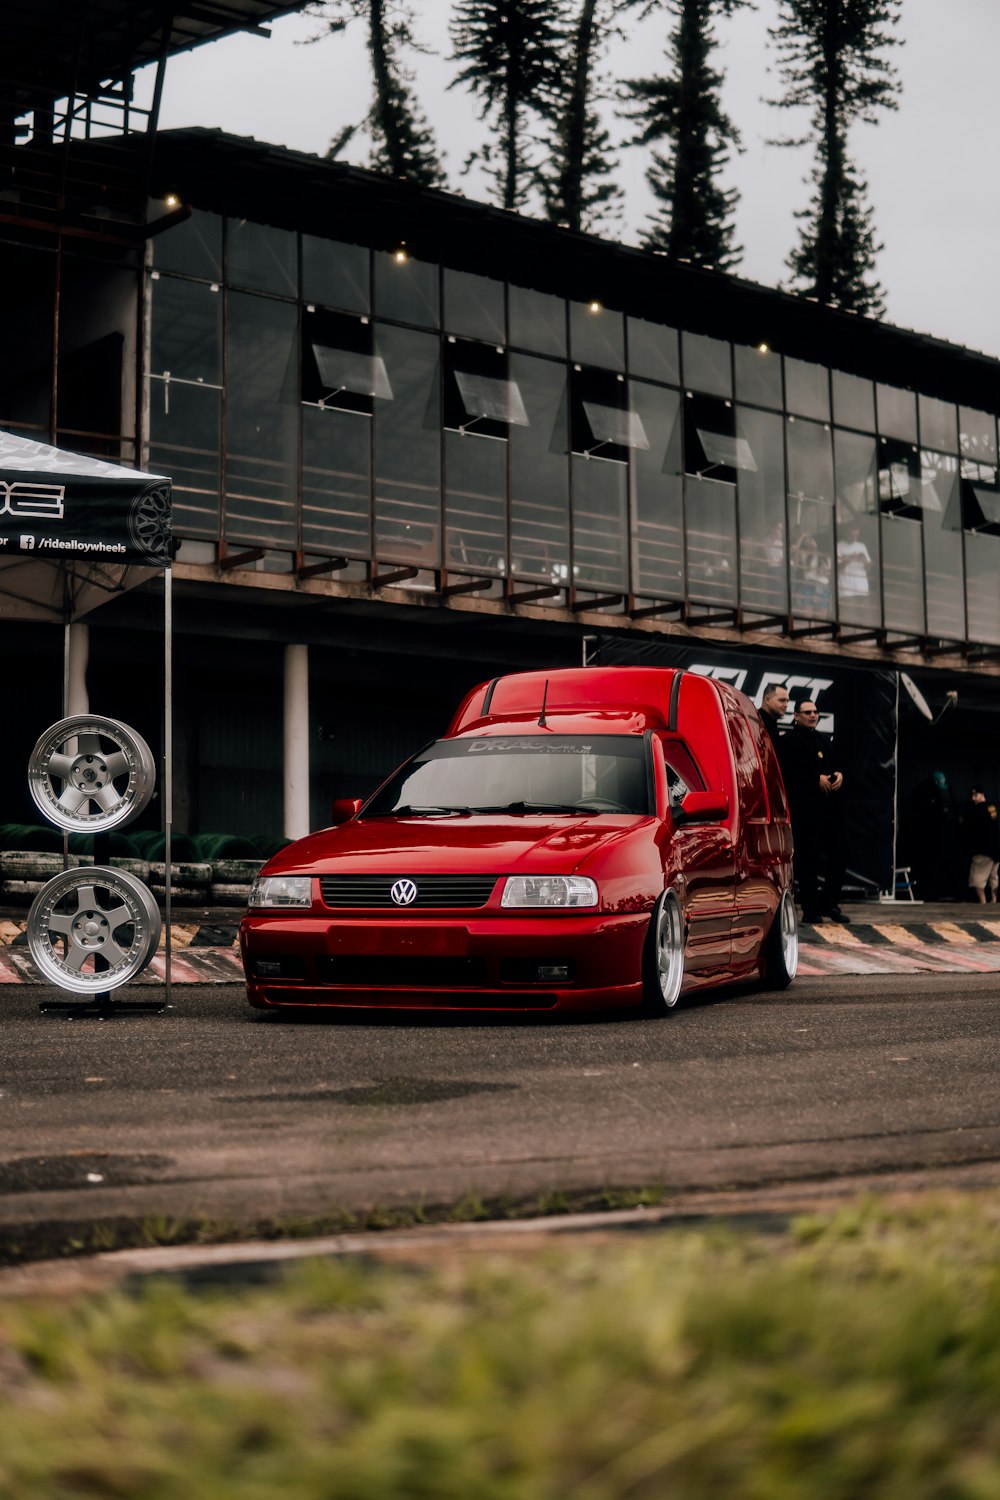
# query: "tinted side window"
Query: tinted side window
772,774
749,779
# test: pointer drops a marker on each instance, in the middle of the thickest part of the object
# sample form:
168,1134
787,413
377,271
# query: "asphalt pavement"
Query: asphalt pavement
211,1113
207,1113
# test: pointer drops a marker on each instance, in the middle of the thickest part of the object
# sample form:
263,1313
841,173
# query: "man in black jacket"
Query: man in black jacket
814,782
772,707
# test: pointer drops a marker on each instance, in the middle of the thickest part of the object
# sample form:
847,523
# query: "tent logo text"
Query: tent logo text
43,501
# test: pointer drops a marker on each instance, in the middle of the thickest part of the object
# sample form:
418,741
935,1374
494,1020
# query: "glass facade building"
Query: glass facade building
461,417
365,412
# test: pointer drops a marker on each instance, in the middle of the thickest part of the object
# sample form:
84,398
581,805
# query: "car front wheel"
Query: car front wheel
780,949
664,973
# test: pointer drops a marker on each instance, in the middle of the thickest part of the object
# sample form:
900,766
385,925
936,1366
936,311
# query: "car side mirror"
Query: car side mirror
703,807
346,808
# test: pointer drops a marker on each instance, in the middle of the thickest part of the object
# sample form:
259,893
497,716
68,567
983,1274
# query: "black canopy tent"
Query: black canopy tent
74,531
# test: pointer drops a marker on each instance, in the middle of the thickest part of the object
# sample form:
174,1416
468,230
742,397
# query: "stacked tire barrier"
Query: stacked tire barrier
94,927
199,875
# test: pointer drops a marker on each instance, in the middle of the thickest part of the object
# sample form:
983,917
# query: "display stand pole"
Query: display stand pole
890,895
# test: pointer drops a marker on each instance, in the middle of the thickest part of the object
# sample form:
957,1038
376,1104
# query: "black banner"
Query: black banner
88,518
858,704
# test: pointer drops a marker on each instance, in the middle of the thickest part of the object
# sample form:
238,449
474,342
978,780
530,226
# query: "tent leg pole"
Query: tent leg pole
168,767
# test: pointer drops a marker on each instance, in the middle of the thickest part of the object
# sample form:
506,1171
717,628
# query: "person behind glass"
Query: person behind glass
815,783
772,708
853,564
810,574
983,842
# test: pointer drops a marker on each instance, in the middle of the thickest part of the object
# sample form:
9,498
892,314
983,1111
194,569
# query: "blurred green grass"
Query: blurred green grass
856,1355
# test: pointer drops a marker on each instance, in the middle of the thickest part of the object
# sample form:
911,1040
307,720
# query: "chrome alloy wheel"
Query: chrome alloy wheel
88,914
789,930
88,774
668,949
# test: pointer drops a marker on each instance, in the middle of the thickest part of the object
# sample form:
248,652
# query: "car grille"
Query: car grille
432,890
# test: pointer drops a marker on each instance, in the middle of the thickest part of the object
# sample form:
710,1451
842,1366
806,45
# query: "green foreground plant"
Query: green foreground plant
845,1357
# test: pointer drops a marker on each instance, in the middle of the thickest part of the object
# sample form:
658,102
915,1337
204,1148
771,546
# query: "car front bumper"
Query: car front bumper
508,962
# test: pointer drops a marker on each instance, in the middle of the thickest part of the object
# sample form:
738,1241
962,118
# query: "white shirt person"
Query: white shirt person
853,563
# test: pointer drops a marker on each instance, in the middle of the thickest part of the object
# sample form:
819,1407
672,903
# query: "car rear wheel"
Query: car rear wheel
665,954
780,949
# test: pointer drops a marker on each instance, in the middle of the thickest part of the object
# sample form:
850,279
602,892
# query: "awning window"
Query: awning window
989,503
713,450
726,449
613,424
980,508
340,369
480,400
348,370
488,396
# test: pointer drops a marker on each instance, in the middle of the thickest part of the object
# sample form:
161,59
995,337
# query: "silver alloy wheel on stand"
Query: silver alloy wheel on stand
90,913
88,774
667,956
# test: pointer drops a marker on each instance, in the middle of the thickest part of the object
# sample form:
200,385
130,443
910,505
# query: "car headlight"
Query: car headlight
549,890
281,890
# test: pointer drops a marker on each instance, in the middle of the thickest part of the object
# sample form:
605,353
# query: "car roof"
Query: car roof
601,695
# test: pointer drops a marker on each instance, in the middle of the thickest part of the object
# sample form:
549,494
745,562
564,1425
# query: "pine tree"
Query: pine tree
694,217
580,188
511,52
402,141
831,57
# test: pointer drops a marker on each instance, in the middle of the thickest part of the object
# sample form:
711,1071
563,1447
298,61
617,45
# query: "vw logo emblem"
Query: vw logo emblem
404,892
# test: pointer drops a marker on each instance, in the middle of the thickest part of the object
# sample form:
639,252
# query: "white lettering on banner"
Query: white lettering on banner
61,544
735,675
799,688
41,501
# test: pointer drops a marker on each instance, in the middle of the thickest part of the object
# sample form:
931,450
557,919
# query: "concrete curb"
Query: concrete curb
253,1261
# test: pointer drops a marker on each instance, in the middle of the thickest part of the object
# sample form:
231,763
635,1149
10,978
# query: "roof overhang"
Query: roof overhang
55,48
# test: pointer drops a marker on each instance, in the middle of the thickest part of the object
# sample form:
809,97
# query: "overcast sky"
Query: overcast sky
931,165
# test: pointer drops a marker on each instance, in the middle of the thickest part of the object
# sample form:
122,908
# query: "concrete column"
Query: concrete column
77,656
296,741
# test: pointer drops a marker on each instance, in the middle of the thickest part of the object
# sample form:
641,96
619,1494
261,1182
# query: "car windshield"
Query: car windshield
571,774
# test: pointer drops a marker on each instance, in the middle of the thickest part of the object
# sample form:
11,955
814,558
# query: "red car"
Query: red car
579,839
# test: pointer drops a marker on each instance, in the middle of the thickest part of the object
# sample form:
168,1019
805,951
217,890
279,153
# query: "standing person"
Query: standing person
772,708
854,563
983,842
815,782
